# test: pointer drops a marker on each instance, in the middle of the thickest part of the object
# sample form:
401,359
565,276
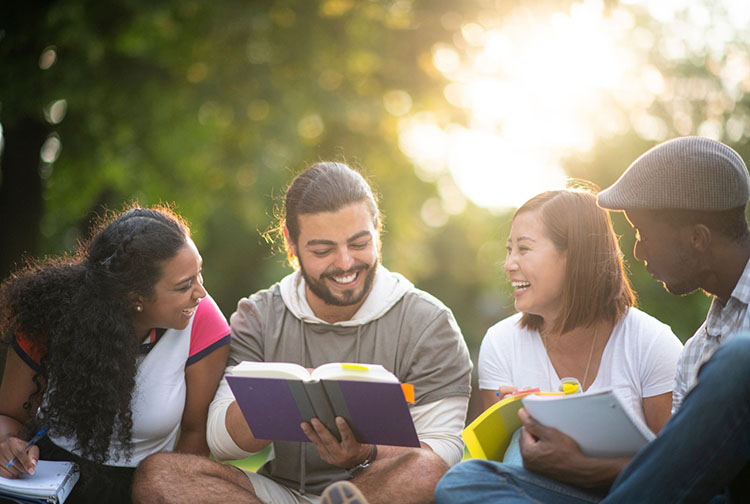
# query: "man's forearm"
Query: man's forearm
240,432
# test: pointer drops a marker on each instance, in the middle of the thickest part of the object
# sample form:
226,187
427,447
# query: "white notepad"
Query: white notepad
597,421
51,482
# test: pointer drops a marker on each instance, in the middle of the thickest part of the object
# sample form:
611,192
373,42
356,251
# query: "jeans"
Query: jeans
703,451
701,455
486,481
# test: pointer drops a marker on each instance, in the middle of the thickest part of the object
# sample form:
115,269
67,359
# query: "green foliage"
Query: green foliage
215,105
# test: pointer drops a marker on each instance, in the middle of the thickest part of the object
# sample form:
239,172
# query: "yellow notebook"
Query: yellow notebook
488,436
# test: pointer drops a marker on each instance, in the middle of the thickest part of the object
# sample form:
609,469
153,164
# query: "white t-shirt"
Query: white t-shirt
639,360
160,388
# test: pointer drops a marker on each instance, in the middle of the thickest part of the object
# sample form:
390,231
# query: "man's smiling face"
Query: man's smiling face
338,254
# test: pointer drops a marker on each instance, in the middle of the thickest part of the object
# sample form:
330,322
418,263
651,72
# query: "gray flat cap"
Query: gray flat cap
689,173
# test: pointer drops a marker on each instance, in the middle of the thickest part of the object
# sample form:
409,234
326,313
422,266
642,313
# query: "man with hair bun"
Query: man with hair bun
340,304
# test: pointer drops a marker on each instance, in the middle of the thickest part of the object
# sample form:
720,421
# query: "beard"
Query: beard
348,297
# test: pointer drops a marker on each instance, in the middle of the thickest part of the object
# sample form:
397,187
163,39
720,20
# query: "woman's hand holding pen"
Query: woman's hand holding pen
509,390
505,391
13,448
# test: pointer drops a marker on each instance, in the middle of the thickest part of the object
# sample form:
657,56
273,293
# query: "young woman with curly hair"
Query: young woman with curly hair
118,350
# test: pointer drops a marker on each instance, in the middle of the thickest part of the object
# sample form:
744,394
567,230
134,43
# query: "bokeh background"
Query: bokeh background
456,110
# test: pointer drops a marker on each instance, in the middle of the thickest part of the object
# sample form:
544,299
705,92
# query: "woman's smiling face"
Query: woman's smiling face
176,294
535,267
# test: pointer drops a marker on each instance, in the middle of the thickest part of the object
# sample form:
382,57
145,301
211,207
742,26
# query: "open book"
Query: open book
51,482
275,397
597,421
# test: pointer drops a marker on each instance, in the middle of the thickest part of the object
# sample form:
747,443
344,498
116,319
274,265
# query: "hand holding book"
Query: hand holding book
277,397
345,453
597,421
547,451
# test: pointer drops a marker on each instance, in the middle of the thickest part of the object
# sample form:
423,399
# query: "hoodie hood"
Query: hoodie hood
387,289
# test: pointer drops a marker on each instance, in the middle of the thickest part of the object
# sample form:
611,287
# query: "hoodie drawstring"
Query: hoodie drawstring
356,350
303,359
303,446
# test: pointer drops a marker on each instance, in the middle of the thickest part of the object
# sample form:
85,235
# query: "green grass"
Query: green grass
253,462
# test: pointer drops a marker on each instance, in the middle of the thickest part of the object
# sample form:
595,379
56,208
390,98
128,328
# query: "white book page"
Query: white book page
354,371
285,370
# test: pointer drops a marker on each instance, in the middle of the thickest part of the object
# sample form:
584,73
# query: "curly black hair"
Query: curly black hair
79,310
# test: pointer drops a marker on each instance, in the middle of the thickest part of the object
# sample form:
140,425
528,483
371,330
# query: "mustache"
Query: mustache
341,272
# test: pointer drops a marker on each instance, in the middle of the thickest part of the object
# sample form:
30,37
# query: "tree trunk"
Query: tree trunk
20,193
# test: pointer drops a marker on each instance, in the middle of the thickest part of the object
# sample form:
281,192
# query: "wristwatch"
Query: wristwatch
365,463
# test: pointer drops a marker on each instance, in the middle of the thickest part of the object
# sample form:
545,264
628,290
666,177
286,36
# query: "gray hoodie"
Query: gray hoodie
404,329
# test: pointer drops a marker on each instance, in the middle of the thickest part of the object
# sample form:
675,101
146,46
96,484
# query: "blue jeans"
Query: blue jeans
486,481
701,455
703,452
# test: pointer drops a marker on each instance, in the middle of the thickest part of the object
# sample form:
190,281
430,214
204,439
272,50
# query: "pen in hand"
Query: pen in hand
39,435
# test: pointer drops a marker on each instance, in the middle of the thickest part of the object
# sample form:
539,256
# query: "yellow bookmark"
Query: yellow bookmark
354,367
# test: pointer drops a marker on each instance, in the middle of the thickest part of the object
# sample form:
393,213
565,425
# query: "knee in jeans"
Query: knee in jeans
465,476
449,481
464,471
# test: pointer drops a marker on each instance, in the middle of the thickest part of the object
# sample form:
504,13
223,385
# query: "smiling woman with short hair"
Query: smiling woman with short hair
576,320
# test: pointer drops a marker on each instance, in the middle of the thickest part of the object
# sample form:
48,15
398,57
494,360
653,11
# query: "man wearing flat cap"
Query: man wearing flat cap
686,201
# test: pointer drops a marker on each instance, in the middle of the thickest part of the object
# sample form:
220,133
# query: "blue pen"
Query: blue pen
39,435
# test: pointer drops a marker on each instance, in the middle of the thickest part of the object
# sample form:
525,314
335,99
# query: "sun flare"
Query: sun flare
536,87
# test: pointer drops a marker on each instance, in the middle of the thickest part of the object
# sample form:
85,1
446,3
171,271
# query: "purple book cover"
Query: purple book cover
269,407
378,412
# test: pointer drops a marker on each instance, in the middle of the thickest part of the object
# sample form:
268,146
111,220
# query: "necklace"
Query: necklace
588,363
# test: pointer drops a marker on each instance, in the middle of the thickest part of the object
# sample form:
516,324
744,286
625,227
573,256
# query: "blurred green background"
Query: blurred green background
454,109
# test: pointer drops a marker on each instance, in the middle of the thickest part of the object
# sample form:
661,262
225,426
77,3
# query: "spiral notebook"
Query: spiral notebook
51,482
